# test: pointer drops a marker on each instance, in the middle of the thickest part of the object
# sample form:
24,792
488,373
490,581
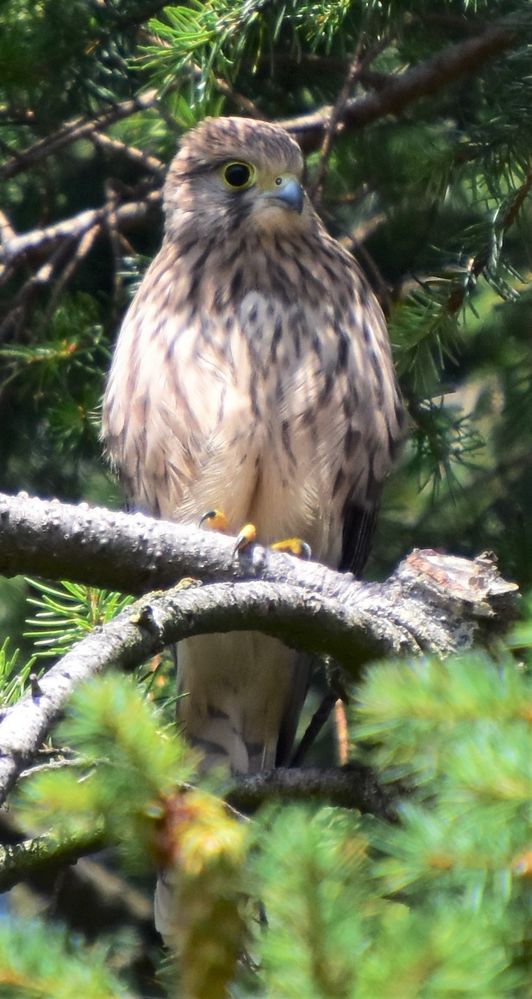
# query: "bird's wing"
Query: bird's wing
175,417
357,537
374,424
299,684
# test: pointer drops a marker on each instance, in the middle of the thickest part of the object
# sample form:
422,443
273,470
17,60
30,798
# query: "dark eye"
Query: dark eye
238,175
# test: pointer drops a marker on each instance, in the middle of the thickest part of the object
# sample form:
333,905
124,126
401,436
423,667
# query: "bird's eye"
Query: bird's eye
238,175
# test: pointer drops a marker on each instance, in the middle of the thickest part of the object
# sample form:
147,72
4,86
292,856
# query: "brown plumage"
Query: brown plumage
252,374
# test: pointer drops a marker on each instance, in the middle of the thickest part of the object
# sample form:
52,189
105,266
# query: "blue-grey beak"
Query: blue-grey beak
289,192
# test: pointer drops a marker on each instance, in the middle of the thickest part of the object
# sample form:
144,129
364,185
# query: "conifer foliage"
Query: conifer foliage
416,123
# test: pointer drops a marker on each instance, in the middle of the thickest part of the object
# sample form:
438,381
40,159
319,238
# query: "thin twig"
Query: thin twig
480,263
114,239
340,728
84,246
363,230
241,102
147,161
356,68
59,764
318,720
74,130
19,305
332,124
379,284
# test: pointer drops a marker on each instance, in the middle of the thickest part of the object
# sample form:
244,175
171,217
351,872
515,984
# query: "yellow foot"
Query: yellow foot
293,546
215,520
246,537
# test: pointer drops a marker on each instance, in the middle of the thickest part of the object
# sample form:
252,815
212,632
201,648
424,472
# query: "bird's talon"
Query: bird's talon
214,520
293,546
245,537
187,582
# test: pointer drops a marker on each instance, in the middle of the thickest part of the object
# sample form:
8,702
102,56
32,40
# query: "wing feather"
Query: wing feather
357,537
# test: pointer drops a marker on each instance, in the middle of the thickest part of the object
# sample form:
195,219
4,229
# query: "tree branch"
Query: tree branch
74,130
85,894
352,786
44,855
335,118
134,553
430,603
453,63
151,164
39,859
76,227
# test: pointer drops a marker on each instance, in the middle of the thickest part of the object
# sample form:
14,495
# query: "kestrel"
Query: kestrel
252,374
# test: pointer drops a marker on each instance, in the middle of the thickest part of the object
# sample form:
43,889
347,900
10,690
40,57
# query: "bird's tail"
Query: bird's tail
240,697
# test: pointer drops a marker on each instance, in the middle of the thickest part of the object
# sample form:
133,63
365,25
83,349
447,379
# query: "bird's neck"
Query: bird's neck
218,268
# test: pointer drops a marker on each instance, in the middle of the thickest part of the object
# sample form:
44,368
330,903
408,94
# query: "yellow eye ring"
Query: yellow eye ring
238,175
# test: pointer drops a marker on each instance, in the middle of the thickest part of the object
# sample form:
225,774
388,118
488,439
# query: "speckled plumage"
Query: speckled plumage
252,374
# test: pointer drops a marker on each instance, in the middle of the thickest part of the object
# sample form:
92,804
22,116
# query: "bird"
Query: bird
252,374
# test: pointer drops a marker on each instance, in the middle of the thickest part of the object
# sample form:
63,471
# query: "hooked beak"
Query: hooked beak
288,192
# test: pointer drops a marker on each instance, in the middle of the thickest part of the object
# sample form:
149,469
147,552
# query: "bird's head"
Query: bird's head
231,172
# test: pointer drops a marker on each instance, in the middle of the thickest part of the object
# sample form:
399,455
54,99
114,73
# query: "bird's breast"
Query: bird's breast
264,406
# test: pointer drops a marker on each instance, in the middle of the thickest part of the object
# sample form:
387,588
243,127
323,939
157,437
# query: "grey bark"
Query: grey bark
431,603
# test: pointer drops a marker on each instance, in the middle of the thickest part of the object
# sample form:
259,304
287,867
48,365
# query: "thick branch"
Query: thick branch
134,553
352,786
453,63
87,895
76,227
431,602
40,859
43,855
155,621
